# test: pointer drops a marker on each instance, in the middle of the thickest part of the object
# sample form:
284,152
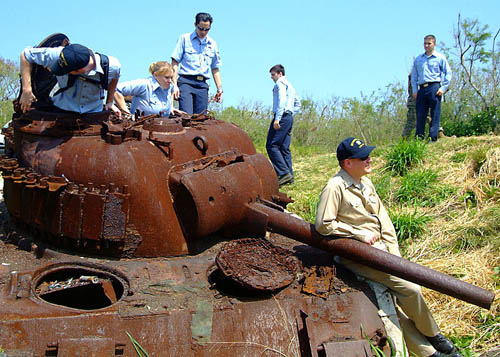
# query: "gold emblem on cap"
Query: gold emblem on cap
358,142
62,60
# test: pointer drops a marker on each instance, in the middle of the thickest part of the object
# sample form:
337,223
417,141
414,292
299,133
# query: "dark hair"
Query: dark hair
432,37
203,17
278,69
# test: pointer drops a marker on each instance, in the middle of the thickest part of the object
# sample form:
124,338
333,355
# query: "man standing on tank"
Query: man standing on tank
194,57
430,79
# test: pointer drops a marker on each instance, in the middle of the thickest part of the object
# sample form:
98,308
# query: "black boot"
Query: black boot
443,346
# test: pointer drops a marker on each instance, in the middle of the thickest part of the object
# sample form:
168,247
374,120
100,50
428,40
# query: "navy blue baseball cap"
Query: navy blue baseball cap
352,148
72,58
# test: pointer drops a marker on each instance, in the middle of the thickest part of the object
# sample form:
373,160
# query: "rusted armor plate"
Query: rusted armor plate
257,264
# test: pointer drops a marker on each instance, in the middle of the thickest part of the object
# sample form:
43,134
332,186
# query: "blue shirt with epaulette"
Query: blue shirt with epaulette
196,56
147,96
84,96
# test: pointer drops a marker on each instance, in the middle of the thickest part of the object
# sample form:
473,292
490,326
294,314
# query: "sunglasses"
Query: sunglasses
362,158
203,28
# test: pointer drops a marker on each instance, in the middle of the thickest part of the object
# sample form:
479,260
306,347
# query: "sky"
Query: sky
329,48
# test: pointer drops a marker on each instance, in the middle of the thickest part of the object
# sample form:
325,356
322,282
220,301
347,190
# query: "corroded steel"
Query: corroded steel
257,264
104,184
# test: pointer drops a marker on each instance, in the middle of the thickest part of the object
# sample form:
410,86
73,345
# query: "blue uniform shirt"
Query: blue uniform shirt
284,98
433,68
83,97
148,96
196,56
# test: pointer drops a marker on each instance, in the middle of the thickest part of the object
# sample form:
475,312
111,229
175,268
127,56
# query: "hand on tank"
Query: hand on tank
114,109
27,97
176,111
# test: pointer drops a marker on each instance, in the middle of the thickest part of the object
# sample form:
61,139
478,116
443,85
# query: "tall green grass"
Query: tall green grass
422,188
404,155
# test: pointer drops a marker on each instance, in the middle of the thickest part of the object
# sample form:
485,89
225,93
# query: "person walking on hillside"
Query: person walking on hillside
194,57
285,105
430,79
349,207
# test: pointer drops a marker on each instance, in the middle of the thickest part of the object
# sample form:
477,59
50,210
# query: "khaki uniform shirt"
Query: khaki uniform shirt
350,210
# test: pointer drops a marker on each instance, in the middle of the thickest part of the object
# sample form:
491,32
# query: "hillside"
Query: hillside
447,212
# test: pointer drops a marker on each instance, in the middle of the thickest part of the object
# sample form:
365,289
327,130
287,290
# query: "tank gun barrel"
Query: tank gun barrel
299,230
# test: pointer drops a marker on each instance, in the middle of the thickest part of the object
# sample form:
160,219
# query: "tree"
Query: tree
479,65
9,88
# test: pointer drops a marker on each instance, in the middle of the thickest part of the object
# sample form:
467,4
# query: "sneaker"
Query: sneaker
285,179
441,343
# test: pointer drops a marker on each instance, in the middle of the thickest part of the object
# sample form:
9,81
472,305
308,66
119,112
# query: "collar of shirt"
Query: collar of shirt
98,68
348,180
154,83
203,41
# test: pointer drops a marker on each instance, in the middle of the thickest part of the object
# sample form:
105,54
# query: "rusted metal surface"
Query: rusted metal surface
319,281
95,179
176,306
257,264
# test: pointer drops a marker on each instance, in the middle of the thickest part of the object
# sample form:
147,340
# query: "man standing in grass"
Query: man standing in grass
285,105
430,79
349,207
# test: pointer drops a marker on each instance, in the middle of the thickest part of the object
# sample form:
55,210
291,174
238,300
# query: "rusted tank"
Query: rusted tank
150,235
98,188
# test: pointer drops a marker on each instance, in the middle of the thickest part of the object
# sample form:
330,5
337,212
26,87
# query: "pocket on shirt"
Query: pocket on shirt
356,203
191,55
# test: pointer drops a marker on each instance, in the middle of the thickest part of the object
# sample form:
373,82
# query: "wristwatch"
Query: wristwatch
219,90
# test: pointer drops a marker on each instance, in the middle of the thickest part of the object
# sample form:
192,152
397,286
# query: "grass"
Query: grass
453,223
421,188
409,226
404,155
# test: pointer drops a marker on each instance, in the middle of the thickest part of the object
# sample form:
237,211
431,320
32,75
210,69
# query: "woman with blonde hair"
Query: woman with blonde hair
151,95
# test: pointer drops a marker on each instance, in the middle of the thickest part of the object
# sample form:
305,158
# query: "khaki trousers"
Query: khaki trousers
415,317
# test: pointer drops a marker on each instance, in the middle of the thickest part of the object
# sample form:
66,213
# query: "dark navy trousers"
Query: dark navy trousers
193,98
278,145
427,99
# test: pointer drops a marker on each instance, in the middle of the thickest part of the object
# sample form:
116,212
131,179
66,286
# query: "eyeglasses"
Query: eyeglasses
203,28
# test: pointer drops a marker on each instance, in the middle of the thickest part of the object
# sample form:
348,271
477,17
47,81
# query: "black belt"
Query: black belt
425,85
198,78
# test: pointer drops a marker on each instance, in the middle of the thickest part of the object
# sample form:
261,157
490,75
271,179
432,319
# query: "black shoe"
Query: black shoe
441,343
285,179
436,354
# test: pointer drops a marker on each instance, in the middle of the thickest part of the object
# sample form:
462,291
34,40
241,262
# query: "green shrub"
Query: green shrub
405,154
409,225
477,124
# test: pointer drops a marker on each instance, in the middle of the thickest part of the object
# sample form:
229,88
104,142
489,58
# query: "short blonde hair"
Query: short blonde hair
161,68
